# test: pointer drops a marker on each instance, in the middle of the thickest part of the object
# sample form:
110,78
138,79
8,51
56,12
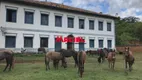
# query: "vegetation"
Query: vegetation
34,70
128,30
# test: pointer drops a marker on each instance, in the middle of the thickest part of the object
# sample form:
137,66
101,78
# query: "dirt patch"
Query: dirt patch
27,61
136,49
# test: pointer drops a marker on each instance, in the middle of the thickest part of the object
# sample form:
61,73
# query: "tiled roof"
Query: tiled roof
59,6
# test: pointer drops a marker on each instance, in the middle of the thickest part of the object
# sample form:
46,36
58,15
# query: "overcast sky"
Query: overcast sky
124,8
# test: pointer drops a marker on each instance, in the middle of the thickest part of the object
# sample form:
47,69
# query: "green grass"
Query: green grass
33,70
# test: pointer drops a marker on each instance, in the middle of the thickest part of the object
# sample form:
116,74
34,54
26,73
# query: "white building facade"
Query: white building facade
34,26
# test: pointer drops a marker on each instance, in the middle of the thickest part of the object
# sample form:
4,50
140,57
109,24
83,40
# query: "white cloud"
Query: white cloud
131,6
115,6
86,4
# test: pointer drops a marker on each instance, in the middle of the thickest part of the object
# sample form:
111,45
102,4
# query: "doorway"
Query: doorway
70,45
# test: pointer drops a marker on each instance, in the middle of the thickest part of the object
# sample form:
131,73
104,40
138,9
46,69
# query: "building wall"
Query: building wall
20,28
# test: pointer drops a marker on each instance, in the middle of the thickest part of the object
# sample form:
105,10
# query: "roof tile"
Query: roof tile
60,6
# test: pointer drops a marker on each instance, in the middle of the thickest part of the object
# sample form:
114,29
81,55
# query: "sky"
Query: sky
124,8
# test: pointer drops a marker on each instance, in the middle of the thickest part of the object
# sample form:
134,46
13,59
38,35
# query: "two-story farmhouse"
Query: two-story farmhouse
32,24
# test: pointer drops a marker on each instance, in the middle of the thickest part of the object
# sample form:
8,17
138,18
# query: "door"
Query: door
58,45
81,46
70,45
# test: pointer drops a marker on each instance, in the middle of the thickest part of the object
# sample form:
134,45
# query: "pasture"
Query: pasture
32,67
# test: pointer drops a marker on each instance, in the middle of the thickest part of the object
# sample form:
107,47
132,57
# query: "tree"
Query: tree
138,31
127,30
131,19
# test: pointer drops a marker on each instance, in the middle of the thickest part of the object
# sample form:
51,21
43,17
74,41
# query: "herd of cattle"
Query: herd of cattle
78,56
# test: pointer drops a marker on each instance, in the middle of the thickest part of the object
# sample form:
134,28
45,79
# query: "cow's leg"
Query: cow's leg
54,63
5,67
132,63
62,61
10,62
81,70
47,61
126,65
57,62
76,61
48,64
113,64
130,66
7,64
99,59
78,68
108,64
103,59
10,67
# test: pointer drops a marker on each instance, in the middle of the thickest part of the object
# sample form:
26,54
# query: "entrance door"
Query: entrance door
58,45
70,45
81,46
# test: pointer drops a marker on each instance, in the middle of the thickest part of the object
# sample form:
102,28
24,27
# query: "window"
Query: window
108,26
109,43
70,22
81,24
58,21
28,42
91,24
44,19
43,42
100,26
100,43
29,17
91,43
10,41
11,15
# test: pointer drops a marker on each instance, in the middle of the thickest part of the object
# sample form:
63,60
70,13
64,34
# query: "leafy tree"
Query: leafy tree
131,19
138,31
128,29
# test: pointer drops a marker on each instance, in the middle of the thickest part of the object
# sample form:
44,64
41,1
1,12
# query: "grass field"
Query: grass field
33,68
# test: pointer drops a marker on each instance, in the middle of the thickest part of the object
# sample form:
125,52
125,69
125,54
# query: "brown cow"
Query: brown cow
81,60
129,58
9,56
56,57
111,59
